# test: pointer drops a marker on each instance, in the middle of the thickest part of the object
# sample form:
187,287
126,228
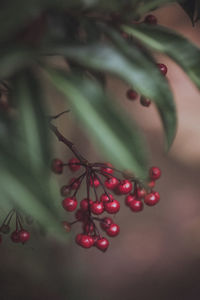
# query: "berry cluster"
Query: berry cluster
101,181
19,235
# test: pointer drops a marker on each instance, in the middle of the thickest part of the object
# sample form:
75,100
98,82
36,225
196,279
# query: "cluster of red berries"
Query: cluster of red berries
101,176
133,95
19,235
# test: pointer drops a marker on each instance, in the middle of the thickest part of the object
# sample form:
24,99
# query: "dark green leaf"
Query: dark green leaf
190,7
111,128
166,41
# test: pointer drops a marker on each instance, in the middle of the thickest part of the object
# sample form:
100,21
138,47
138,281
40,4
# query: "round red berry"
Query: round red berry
163,68
88,227
24,236
129,198
131,94
78,238
97,208
145,101
113,230
65,190
152,198
112,207
84,204
141,193
154,173
94,182
107,169
136,205
85,241
15,236
74,183
69,204
151,19
106,222
102,244
151,184
57,166
106,197
125,186
111,183
74,164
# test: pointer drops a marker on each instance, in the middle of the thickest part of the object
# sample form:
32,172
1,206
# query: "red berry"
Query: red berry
88,228
81,215
129,199
84,204
57,166
15,236
74,183
73,164
144,101
105,223
154,173
85,241
163,68
151,19
69,204
151,184
111,183
78,238
113,230
24,236
94,182
107,169
152,198
131,94
125,186
66,226
65,191
104,197
97,208
141,193
136,205
112,207
102,244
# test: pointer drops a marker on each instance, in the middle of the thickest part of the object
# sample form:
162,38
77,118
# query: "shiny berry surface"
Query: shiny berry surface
107,170
69,204
105,223
112,207
125,187
97,208
102,244
154,173
152,199
136,205
111,183
113,230
145,101
163,68
106,197
24,236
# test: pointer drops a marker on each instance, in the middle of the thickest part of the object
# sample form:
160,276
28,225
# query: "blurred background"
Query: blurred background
157,254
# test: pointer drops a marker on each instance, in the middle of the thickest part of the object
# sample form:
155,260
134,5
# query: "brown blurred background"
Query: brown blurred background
157,255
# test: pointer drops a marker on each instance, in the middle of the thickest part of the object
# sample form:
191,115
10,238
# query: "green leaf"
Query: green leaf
166,41
110,127
27,93
132,65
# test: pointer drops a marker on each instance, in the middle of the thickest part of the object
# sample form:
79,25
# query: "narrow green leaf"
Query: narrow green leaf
166,41
111,128
132,65
32,118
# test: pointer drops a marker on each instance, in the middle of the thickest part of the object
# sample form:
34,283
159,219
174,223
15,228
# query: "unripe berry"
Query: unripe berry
152,198
105,223
163,68
111,183
69,204
97,208
113,230
136,205
112,207
57,166
154,173
24,236
131,94
66,226
73,164
145,102
151,19
102,244
104,198
125,187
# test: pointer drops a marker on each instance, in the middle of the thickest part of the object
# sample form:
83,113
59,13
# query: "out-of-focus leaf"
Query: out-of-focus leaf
32,119
166,41
110,127
189,7
28,191
132,65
